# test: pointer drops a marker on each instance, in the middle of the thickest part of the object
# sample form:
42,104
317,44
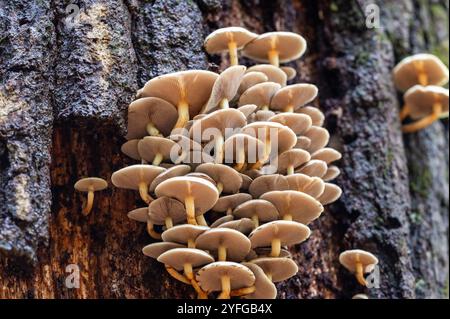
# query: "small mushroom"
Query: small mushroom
243,149
251,79
141,215
196,158
290,72
166,211
247,110
260,94
227,179
221,220
317,117
130,149
258,210
268,183
327,154
303,142
243,225
292,97
313,186
202,176
155,150
154,250
261,116
314,168
246,181
276,47
185,234
298,123
358,261
277,269
229,39
332,173
264,287
289,160
273,73
178,170
184,146
90,185
330,194
226,204
319,138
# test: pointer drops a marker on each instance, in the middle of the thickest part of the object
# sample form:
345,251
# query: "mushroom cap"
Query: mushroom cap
313,186
247,109
150,146
279,268
268,183
246,181
251,79
295,157
130,149
295,95
260,94
161,113
290,46
217,41
243,225
330,194
202,176
317,117
130,177
264,287
314,168
252,147
290,72
226,86
164,207
327,154
178,257
319,138
360,296
91,183
264,209
298,123
420,100
286,138
178,170
273,73
349,258
406,72
303,142
332,173
195,158
204,193
193,87
265,252
302,207
183,233
261,116
222,220
154,250
209,277
228,177
139,214
236,243
231,201
289,233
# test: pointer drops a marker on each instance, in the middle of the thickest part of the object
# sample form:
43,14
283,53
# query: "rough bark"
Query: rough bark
64,91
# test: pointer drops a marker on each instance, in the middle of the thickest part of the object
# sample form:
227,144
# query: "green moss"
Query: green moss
362,57
438,11
334,7
421,180
415,217
442,52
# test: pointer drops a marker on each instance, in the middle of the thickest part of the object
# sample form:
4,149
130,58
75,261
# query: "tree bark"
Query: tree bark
65,85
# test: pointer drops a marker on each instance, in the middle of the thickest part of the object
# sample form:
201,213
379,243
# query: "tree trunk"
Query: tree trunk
64,91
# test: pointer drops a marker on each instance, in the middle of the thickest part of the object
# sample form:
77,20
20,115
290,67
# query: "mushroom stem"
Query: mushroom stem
200,293
274,57
422,76
287,217
201,220
224,103
183,114
152,130
222,253
404,112
276,248
269,275
226,288
188,272
169,222
157,159
232,48
265,108
191,243
290,170
240,160
267,146
143,192
426,121
220,188
289,109
360,274
190,210
175,274
242,291
151,231
229,211
218,149
255,220
90,201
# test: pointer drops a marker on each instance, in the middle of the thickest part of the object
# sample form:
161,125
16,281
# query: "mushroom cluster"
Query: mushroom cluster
421,78
232,167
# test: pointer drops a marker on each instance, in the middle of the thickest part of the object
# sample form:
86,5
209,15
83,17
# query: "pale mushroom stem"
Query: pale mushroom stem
404,112
190,210
226,288
426,121
265,108
175,274
191,243
157,159
276,248
287,217
190,275
240,160
224,104
243,291
222,253
200,293
151,231
289,109
422,76
90,202
183,114
229,211
201,220
274,58
220,188
143,192
232,49
169,222
188,272
218,149
269,275
290,170
255,220
360,274
152,130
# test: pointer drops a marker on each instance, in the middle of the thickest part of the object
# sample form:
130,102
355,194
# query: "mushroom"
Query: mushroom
246,181
261,116
195,158
185,234
260,94
227,179
184,145
243,149
225,276
319,138
243,225
302,142
317,117
279,233
296,206
247,110
202,176
292,97
154,149
188,90
273,73
332,173
90,185
221,220
197,194
314,168
166,211
267,183
265,252
290,72
288,161
276,47
330,194
137,177
154,250
264,287
359,262
313,186
229,244
424,105
226,204
277,269
298,123
130,149
327,154
178,170
360,296
251,79
258,210
141,215
150,116
229,39
423,69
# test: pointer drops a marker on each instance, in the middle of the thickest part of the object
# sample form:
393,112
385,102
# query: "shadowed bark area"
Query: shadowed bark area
64,89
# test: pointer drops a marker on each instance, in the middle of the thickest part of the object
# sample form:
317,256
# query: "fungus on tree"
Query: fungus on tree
90,185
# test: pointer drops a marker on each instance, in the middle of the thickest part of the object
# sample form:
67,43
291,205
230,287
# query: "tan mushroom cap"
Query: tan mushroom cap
252,148
350,258
130,149
291,158
273,73
264,287
202,176
225,87
302,207
327,154
260,94
314,168
154,250
178,170
222,220
330,194
225,203
243,225
246,181
290,72
264,209
178,257
164,207
406,73
139,214
250,79
332,173
268,183
130,177
184,233
420,100
261,116
290,46
293,97
209,277
217,41
285,137
195,158
319,138
303,142
237,244
247,110
159,112
289,233
91,184
151,146
317,117
313,186
229,178
278,268
298,123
